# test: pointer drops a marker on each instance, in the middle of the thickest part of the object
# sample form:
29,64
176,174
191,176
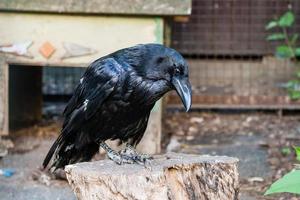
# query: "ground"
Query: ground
28,183
259,140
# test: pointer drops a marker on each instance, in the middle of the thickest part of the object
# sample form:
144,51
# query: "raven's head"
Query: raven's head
163,63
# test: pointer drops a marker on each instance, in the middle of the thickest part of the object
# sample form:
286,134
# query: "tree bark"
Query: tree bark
172,176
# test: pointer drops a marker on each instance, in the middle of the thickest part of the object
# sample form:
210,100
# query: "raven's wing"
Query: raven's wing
97,83
95,86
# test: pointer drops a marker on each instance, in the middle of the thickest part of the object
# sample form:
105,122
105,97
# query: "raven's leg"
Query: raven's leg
130,152
115,156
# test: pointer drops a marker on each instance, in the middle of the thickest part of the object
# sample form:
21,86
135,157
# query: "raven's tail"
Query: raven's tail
65,152
52,150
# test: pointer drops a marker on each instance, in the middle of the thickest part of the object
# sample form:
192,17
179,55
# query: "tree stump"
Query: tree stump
172,176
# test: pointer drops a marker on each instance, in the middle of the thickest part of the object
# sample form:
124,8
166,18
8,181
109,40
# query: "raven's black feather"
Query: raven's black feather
113,100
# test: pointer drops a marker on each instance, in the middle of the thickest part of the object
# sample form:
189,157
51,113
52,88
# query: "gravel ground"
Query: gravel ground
28,183
257,139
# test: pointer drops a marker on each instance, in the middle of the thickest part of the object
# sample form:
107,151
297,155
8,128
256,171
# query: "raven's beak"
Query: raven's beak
183,89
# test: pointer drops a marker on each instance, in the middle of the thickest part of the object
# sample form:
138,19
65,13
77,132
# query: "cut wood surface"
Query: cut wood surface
172,176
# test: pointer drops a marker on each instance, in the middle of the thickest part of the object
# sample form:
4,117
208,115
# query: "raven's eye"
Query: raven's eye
177,71
159,60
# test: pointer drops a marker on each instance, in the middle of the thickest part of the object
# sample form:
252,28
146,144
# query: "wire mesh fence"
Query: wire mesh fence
61,80
229,28
230,60
58,84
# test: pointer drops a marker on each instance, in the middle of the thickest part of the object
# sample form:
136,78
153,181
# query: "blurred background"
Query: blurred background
243,58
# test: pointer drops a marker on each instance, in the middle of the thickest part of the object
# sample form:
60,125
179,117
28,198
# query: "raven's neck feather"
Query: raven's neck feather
134,58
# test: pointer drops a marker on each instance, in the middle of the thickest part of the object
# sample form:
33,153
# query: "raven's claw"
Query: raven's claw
115,156
128,155
142,159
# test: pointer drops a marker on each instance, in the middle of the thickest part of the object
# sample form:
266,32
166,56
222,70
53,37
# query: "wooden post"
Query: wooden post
172,176
151,141
3,96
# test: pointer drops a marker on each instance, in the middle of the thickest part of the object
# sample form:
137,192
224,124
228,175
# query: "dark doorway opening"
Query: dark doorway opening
39,94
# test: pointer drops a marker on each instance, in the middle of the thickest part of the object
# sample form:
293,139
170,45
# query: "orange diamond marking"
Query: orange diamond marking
47,49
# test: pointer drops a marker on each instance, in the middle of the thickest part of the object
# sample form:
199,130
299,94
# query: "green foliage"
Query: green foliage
272,24
293,88
288,183
297,51
287,49
298,74
294,38
297,149
294,94
284,51
286,151
276,36
286,20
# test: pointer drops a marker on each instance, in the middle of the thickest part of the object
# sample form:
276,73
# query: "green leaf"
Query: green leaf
288,183
298,74
271,24
276,36
287,19
294,94
297,51
297,149
286,151
284,51
294,38
291,84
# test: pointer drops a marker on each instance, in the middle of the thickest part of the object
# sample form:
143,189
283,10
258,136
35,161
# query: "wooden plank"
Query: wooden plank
234,101
113,33
240,77
128,7
3,96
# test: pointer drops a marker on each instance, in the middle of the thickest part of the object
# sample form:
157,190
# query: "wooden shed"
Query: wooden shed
71,33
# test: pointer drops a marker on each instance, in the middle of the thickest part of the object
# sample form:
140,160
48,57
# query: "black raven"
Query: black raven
113,101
